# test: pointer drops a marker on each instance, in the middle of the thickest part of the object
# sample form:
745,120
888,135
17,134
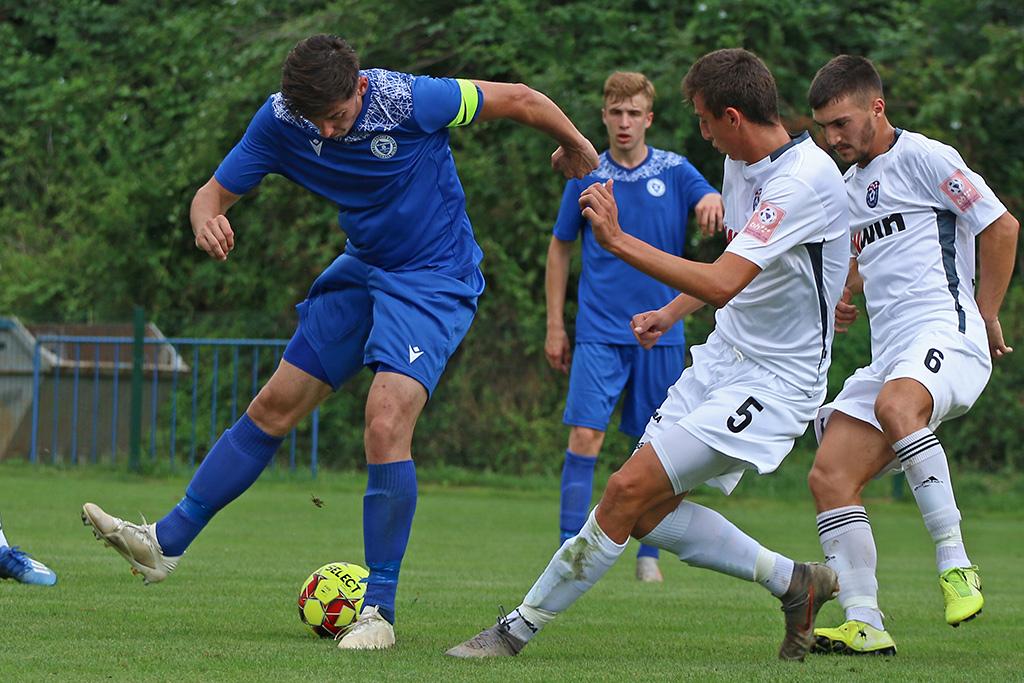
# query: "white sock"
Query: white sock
576,566
703,538
849,548
3,539
924,462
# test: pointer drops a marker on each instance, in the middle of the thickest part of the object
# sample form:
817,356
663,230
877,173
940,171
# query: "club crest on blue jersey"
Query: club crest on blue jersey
383,146
872,195
757,200
656,187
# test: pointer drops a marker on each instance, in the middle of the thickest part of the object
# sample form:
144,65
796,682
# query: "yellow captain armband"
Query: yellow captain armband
469,104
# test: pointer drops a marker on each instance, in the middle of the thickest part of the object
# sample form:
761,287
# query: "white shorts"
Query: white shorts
951,368
734,406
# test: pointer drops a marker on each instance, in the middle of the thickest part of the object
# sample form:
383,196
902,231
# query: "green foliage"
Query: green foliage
116,112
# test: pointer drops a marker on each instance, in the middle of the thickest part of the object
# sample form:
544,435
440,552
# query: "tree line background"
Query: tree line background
115,112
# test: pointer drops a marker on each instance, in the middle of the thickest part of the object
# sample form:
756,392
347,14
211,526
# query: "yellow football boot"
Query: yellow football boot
853,638
961,589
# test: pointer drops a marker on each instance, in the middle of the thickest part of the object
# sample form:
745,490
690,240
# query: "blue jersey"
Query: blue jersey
654,201
392,177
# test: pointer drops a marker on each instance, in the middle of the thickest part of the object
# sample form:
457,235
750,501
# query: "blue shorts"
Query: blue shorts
601,372
409,322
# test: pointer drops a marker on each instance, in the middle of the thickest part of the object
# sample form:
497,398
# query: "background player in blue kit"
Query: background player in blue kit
398,300
656,190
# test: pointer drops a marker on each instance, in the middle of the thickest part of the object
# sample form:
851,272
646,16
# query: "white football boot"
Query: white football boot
370,632
647,570
137,543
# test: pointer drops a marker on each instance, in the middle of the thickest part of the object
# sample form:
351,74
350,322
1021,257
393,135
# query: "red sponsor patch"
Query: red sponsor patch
960,191
763,221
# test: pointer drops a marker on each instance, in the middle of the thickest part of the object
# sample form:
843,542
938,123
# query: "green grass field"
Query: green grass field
229,611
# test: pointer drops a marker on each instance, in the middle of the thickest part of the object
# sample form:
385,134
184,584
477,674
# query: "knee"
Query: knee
625,494
830,486
585,441
898,416
382,429
271,412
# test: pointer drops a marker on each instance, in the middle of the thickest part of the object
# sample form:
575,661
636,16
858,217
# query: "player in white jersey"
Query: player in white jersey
915,210
752,388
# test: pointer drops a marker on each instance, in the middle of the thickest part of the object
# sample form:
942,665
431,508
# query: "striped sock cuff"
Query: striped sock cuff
838,521
914,448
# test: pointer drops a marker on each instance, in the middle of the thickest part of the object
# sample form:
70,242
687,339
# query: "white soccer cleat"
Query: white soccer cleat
137,543
647,570
370,632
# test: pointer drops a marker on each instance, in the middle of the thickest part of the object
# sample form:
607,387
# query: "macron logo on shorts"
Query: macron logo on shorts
414,353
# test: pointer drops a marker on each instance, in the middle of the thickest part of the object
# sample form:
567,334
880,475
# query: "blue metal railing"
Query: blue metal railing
165,384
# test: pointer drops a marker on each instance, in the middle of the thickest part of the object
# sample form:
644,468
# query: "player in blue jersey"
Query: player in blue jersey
656,190
16,564
398,300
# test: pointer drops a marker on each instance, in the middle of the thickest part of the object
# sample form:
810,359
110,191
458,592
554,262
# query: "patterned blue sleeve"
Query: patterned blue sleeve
253,157
444,102
570,219
692,185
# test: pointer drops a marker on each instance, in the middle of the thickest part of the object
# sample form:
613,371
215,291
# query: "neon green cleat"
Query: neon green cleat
961,589
853,638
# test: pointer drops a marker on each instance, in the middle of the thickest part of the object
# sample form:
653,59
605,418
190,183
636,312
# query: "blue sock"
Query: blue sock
232,465
647,551
577,486
388,508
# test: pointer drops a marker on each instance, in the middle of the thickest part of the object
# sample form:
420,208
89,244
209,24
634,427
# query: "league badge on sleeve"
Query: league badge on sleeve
960,190
763,222
872,196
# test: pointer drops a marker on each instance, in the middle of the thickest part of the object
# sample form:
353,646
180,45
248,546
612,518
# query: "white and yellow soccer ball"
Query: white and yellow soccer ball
331,598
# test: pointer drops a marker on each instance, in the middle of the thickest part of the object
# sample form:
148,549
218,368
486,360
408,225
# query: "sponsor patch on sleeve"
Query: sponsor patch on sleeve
960,191
763,221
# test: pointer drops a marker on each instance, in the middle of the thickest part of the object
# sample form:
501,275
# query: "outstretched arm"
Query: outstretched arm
209,224
997,255
714,283
575,156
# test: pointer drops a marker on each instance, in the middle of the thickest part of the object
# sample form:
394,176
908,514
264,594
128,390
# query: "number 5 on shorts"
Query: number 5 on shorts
736,426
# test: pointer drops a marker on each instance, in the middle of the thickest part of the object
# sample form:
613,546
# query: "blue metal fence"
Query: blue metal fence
167,390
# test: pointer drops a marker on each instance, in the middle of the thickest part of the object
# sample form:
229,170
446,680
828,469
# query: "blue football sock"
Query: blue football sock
577,485
232,465
388,508
647,551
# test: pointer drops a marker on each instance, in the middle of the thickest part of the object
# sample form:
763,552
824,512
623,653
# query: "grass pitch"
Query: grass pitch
229,612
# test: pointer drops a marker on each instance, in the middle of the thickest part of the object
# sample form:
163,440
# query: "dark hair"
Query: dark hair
735,78
844,75
319,72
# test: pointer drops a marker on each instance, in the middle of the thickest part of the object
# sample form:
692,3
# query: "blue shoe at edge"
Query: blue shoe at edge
18,565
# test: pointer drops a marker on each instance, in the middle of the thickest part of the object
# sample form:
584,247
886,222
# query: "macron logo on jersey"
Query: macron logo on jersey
317,145
763,222
414,353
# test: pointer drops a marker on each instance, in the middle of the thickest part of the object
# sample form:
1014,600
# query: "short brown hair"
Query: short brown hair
844,75
319,72
735,78
623,85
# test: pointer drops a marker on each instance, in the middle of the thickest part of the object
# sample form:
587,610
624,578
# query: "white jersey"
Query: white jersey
914,213
787,214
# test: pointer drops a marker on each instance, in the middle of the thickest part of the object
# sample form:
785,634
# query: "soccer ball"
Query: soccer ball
331,598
